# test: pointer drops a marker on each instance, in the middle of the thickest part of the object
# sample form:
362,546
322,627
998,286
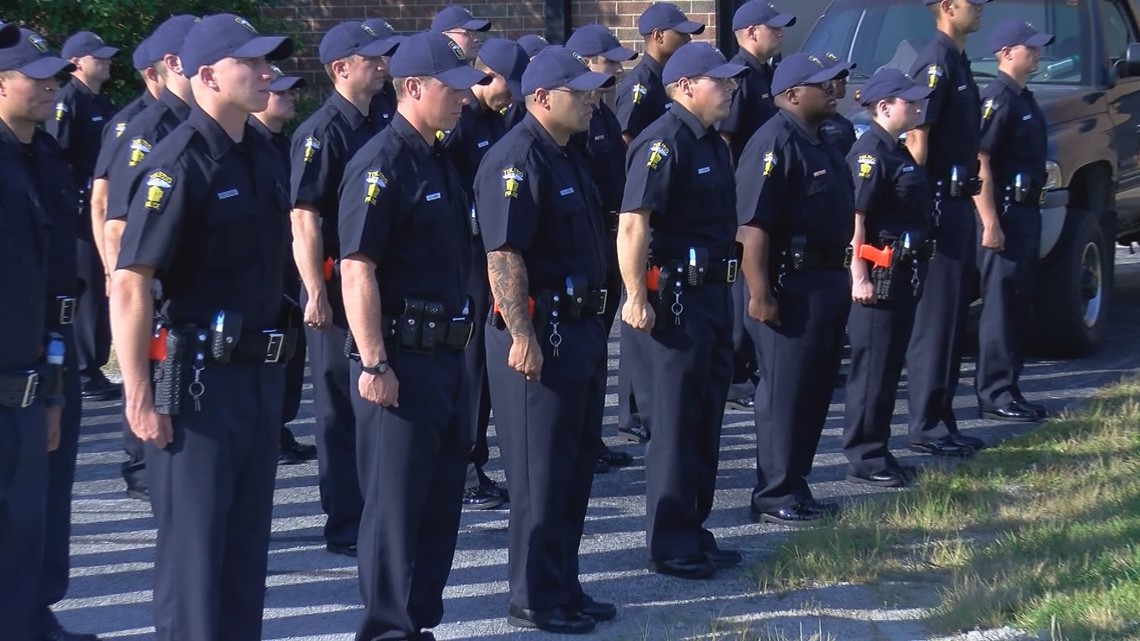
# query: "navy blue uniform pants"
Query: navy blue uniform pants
799,361
476,363
92,314
1008,280
134,468
879,334
411,460
341,498
743,350
294,384
549,436
934,356
212,495
23,497
688,367
61,476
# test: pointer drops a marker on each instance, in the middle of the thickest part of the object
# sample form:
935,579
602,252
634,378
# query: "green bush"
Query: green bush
121,23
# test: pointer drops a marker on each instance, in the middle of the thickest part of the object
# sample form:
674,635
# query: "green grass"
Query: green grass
1041,533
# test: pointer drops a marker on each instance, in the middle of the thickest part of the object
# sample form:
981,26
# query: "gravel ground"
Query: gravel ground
313,595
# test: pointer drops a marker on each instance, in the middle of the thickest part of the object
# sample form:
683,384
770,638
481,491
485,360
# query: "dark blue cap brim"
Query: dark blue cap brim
916,93
477,25
378,48
515,87
590,81
463,77
9,35
285,83
620,54
271,47
830,73
103,53
46,67
726,70
781,20
688,26
1039,40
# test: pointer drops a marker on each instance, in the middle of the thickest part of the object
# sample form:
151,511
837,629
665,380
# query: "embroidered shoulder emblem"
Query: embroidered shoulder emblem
933,74
512,179
139,149
374,182
867,164
312,146
158,183
658,151
639,91
770,162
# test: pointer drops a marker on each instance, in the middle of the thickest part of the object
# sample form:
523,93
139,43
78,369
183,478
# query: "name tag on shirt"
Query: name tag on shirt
566,192
222,195
482,143
1027,117
907,169
704,170
96,118
962,88
431,197
821,172
600,137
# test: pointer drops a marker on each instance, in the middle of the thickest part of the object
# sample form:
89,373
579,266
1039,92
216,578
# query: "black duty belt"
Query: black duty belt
425,335
816,258
718,272
594,302
62,310
18,389
269,346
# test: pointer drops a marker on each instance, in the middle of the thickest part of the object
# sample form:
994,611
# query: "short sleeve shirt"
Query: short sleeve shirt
212,217
951,111
792,184
752,102
144,132
113,132
839,132
473,135
891,189
604,151
1013,132
77,125
640,96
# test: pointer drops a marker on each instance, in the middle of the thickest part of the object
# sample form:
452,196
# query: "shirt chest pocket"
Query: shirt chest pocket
431,206
911,185
570,217
232,228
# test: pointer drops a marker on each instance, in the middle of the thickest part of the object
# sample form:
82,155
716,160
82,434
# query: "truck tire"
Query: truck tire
1072,290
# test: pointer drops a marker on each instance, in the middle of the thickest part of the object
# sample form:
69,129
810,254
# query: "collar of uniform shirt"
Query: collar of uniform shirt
752,61
415,142
812,136
652,64
80,86
347,109
180,107
218,142
1009,82
541,136
947,41
877,130
691,121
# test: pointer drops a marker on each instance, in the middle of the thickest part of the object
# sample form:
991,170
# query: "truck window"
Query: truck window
1118,29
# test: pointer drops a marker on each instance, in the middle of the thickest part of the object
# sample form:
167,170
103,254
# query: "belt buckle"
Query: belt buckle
66,309
274,346
605,301
732,270
30,389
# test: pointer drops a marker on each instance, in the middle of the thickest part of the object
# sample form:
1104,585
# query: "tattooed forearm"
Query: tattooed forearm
507,273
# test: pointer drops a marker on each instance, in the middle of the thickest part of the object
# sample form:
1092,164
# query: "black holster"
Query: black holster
170,373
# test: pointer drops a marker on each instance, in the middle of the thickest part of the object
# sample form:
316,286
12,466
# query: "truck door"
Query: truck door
1119,31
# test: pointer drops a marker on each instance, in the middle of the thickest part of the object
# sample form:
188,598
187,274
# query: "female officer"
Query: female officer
893,207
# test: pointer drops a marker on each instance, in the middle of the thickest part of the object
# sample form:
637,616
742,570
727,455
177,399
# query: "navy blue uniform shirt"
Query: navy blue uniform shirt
80,117
537,198
1013,132
604,150
322,146
891,189
681,171
212,217
141,135
470,140
113,132
952,109
278,141
383,107
640,96
791,183
401,206
752,102
838,132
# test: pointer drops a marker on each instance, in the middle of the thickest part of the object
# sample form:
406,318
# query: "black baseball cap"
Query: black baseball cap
597,40
87,43
353,37
699,59
508,59
282,82
458,17
32,57
532,43
224,35
804,69
665,16
756,12
557,66
169,36
887,83
140,57
433,54
1015,32
381,29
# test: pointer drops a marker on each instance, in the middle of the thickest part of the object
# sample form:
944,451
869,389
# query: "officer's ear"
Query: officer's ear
541,97
207,77
339,68
658,36
173,63
685,86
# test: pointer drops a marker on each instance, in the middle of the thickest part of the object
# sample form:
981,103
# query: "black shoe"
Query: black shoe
722,558
64,635
558,620
287,457
692,567
742,403
423,636
601,467
971,442
495,488
797,515
100,389
1012,412
1041,410
615,459
342,549
597,610
481,498
635,433
138,493
301,451
945,446
829,508
889,477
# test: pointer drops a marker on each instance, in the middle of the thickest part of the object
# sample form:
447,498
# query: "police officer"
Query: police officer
838,130
946,143
384,102
890,249
270,125
457,23
604,149
81,112
405,247
1012,169
641,95
322,146
794,197
679,218
541,222
136,140
29,415
210,220
481,124
532,43
759,32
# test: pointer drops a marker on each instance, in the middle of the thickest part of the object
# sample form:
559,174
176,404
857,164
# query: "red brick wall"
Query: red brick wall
309,19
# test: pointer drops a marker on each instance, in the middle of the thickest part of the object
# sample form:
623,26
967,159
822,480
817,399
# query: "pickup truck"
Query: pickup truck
1088,85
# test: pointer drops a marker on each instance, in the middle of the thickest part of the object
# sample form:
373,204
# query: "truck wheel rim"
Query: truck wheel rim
1091,278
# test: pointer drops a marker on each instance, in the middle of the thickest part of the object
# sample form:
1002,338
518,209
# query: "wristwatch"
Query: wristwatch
376,370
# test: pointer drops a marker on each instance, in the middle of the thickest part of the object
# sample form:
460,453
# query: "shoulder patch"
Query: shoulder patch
60,110
512,180
312,146
120,127
658,151
158,183
770,162
639,91
867,164
374,182
933,74
989,107
139,149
